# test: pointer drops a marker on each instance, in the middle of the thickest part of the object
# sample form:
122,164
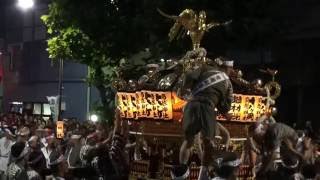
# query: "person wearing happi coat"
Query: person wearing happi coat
73,154
35,165
36,159
210,88
58,166
48,146
17,168
279,140
6,143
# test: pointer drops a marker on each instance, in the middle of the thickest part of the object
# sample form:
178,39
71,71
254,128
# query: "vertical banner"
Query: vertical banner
54,106
261,106
163,105
123,103
149,104
236,109
142,107
133,103
248,108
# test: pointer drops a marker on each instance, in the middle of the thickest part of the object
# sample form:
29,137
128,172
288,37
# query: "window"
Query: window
37,109
46,110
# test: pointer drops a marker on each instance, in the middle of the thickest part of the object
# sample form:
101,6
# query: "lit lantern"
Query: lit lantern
60,130
168,106
145,104
246,108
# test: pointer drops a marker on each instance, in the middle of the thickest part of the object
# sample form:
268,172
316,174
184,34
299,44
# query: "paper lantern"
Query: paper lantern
60,130
145,104
168,106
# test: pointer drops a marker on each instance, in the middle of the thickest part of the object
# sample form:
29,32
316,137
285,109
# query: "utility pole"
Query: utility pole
60,87
88,94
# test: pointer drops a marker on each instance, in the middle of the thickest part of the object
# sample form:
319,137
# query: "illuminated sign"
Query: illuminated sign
246,108
145,104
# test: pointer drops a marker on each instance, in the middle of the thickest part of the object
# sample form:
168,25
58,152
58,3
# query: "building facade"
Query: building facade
29,76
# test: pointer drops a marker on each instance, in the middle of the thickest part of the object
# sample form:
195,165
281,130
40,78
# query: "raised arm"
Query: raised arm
117,150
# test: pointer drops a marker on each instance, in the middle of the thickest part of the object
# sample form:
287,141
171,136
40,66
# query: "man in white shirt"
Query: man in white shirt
49,146
17,168
73,154
58,166
5,148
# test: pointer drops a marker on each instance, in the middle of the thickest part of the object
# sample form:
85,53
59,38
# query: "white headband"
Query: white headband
32,138
228,63
259,128
234,163
50,137
152,66
75,136
292,166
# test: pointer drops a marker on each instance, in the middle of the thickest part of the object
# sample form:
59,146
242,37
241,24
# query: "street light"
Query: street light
28,4
25,4
94,118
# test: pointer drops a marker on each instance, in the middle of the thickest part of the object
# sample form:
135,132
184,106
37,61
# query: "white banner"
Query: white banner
54,106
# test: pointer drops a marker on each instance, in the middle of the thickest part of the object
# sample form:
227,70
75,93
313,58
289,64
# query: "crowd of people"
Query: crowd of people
29,149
